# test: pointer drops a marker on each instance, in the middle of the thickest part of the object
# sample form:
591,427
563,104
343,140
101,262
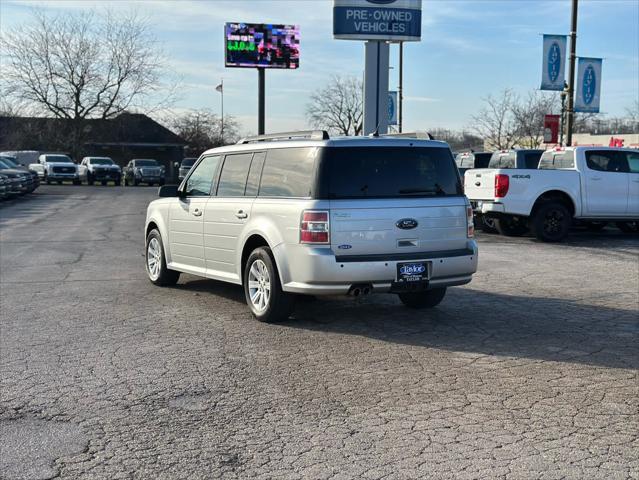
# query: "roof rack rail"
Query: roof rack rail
417,135
310,134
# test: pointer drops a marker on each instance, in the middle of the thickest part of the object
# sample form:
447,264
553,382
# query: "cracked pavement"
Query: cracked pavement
531,371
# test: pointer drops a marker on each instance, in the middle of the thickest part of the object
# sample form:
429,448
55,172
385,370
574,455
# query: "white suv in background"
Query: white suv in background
302,213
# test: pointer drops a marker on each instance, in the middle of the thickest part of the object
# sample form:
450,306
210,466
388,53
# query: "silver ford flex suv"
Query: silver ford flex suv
304,214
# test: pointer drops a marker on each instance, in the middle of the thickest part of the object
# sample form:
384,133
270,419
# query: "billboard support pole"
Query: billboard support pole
376,87
261,80
571,78
401,85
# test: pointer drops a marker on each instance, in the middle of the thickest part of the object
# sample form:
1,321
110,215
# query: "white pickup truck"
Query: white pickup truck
589,184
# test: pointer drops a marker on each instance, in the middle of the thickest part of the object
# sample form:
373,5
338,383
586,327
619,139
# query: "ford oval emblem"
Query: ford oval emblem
406,223
554,61
589,85
345,247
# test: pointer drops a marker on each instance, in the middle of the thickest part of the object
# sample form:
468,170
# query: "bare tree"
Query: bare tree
80,66
338,106
458,140
202,129
495,122
528,115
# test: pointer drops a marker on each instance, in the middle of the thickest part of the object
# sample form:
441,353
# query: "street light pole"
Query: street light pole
562,95
571,78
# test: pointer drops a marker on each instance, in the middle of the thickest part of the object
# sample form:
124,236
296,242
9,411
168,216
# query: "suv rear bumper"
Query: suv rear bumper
316,271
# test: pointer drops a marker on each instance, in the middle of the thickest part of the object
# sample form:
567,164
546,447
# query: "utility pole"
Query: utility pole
401,84
261,87
571,78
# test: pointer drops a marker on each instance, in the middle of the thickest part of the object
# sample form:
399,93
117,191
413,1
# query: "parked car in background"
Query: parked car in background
515,158
140,170
589,184
306,214
56,167
10,163
23,157
185,166
20,182
4,187
467,160
99,169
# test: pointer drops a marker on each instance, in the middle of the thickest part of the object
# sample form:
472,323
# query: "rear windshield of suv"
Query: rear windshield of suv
503,160
389,172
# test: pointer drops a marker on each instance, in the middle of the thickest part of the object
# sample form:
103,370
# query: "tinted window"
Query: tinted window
383,172
255,172
633,161
58,159
531,159
8,161
482,159
234,173
188,162
607,161
201,179
101,161
145,163
557,160
288,172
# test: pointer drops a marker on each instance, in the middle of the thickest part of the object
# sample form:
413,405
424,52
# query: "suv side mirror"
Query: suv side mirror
168,191
176,164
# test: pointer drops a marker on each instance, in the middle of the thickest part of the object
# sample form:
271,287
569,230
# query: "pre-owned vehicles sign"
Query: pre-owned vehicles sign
391,20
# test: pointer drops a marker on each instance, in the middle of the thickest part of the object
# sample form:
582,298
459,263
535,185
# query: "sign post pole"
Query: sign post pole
376,87
261,100
571,74
401,85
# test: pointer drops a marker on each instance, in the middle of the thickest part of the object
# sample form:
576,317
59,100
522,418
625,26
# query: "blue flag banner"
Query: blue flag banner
588,85
392,108
554,62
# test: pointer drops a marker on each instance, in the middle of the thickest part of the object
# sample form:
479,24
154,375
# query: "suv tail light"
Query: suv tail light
314,227
502,183
471,224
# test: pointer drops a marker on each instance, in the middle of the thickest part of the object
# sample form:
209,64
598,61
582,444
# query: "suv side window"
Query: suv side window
288,172
200,181
255,173
633,161
607,161
234,173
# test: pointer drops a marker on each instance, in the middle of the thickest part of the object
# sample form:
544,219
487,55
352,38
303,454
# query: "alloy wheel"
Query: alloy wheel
154,258
259,285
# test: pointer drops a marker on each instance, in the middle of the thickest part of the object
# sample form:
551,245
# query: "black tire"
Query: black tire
77,182
126,182
628,227
511,226
117,181
48,181
59,182
135,183
104,182
551,222
161,183
279,304
596,226
89,179
165,277
486,224
425,299
150,184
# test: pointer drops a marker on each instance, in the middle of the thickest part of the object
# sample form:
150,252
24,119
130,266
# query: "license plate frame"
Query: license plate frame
412,272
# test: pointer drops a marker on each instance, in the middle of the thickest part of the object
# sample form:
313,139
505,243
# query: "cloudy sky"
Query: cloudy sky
469,49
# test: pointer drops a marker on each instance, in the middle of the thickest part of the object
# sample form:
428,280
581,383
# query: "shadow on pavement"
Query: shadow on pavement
472,321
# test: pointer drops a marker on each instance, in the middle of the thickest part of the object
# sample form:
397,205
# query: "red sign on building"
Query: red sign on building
551,128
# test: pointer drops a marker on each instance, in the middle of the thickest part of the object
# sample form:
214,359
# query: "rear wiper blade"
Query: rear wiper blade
406,191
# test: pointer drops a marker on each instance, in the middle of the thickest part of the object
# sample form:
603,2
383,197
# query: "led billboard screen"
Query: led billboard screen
262,45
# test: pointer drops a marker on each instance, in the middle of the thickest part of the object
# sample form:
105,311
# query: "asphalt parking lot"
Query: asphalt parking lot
531,371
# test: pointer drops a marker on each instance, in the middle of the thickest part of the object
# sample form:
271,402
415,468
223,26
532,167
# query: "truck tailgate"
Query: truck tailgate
479,184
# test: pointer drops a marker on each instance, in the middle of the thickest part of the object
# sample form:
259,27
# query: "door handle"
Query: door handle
197,212
241,214
595,178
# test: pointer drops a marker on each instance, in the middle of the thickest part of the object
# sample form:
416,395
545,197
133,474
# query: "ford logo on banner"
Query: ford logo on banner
589,86
406,223
554,62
